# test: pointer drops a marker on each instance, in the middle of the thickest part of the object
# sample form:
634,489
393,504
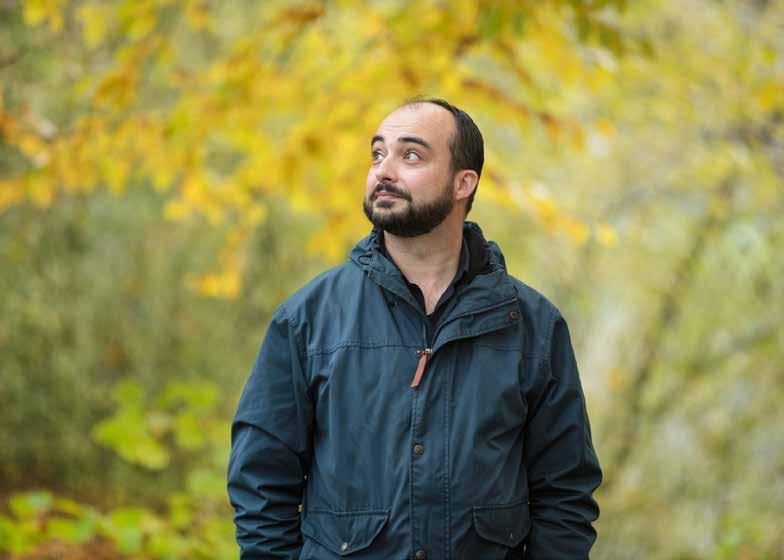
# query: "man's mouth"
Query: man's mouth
386,194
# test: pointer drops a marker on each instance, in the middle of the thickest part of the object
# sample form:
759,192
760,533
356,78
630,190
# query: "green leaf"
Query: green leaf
188,431
24,506
127,435
76,531
202,396
128,393
7,528
180,510
207,484
127,527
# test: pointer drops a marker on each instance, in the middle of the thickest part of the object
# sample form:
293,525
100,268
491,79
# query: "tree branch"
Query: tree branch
11,59
668,315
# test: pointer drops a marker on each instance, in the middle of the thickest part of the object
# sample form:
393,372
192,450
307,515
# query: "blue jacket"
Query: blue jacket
488,456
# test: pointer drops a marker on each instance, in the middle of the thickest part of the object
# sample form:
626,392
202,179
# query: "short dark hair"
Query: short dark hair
466,145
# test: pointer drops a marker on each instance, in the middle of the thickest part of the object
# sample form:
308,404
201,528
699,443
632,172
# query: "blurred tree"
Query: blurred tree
223,105
635,157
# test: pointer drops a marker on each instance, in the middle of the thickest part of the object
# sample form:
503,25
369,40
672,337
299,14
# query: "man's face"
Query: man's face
410,185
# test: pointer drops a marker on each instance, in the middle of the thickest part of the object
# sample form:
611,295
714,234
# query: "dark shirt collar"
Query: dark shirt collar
462,267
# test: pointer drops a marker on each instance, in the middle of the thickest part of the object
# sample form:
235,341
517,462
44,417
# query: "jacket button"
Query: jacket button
344,547
420,554
513,315
418,450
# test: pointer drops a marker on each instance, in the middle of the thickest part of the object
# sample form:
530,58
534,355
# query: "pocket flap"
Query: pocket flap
344,532
506,524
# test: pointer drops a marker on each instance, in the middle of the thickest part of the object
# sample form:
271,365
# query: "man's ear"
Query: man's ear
465,183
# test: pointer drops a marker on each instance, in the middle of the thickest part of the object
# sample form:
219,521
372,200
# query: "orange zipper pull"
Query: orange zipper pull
420,370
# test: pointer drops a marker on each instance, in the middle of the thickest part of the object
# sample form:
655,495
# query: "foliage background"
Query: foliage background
170,170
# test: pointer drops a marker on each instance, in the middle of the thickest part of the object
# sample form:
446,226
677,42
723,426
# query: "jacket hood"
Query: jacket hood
489,284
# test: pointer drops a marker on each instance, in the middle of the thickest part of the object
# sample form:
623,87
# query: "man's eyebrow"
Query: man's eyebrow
413,140
403,140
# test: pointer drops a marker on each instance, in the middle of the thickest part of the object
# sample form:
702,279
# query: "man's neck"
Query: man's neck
430,261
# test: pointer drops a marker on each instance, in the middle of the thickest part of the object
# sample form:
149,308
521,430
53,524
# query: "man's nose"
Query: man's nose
385,171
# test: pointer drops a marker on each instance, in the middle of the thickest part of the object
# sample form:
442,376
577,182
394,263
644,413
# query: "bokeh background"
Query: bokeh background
170,170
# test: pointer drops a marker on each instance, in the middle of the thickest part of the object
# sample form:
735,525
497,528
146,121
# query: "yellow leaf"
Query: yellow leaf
576,230
578,138
116,171
94,23
300,201
553,127
141,22
11,192
605,235
118,88
771,95
617,379
34,11
175,210
225,285
256,214
541,201
37,11
197,14
40,189
605,127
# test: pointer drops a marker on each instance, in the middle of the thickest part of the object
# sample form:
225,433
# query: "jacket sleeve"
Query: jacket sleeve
271,448
563,469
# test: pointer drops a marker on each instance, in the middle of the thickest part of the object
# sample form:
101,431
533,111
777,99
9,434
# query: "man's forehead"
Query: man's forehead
427,120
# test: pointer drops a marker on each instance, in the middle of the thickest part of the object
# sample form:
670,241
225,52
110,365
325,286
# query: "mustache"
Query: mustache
390,188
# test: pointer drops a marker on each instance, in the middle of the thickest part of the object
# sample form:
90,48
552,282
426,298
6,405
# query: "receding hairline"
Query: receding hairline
452,136
414,104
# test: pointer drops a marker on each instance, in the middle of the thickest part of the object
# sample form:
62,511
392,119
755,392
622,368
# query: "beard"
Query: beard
412,219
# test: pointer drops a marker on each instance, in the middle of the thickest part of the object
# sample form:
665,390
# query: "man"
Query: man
417,401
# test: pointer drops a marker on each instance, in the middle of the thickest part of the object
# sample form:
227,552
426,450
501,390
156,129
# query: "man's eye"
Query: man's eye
411,153
377,156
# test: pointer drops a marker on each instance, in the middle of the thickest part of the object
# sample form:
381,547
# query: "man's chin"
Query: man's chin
387,202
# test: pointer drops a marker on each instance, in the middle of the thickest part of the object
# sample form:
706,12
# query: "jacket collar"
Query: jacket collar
464,272
488,287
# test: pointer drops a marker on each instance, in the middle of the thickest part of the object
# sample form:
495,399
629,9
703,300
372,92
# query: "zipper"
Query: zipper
420,370
423,354
426,352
